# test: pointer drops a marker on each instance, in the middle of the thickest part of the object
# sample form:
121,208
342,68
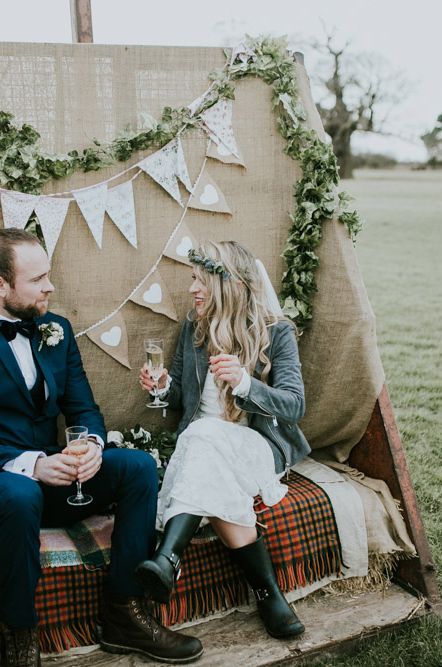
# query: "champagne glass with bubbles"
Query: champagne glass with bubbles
154,349
77,445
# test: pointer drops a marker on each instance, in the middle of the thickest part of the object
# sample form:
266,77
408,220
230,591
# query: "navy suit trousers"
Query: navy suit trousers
127,478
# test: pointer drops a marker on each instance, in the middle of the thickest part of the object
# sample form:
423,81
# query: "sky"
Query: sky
406,33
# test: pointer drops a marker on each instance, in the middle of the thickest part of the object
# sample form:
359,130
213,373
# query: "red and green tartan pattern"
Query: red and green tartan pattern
68,603
301,536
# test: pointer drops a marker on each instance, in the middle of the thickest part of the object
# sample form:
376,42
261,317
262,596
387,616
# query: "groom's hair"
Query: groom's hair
9,238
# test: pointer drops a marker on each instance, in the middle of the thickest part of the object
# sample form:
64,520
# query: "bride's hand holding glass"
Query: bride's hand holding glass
148,383
153,374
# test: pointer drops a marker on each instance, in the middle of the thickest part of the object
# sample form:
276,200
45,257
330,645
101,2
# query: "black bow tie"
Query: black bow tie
11,329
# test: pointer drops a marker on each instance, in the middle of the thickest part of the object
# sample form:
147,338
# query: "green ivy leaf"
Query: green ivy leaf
24,166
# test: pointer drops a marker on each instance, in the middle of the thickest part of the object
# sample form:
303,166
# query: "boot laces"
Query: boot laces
20,646
144,617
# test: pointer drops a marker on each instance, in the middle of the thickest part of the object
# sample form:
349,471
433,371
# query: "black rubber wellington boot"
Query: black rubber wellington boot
158,575
278,617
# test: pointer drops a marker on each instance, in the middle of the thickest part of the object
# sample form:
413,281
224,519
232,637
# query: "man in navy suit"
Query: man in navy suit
39,379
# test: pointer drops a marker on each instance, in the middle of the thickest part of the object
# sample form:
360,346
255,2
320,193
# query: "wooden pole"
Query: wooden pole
81,21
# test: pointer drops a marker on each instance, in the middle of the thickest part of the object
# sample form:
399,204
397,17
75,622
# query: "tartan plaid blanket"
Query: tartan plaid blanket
300,533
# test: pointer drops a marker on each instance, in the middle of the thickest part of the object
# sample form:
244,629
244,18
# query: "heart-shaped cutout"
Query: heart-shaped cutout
112,337
223,150
209,196
154,294
183,248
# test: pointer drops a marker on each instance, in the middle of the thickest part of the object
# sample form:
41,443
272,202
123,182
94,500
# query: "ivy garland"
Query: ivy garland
26,168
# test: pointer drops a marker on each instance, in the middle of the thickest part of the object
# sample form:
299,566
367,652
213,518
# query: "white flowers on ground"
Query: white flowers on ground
51,334
115,436
156,455
160,445
135,438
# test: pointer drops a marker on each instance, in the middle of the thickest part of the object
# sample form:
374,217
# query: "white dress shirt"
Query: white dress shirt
24,464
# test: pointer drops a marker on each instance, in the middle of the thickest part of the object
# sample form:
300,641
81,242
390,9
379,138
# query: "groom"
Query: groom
41,376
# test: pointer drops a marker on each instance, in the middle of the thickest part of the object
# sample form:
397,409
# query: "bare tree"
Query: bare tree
433,143
356,91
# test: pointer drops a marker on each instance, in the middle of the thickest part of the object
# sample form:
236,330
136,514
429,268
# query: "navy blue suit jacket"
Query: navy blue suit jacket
22,426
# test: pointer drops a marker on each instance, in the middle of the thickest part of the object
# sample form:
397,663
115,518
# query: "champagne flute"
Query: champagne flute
154,349
77,445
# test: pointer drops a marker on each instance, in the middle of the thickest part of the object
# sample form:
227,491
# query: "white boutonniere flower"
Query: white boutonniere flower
51,334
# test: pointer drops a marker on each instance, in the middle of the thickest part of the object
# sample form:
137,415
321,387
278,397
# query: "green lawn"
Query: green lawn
400,253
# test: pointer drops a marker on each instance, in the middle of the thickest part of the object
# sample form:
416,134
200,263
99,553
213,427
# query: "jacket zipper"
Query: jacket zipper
275,423
199,385
266,414
279,445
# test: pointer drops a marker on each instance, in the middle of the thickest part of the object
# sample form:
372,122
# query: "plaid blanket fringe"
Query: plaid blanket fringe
301,536
59,638
68,605
191,605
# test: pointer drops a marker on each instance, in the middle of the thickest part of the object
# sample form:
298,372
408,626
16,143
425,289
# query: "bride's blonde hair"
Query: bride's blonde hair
235,319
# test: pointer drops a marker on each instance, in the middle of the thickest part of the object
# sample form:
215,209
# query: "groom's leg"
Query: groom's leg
134,477
21,503
128,478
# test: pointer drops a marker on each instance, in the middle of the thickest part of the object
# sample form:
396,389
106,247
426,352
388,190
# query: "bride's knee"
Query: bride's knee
203,429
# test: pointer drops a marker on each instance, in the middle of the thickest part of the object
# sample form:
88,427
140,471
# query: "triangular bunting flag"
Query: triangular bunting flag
154,294
243,53
92,204
165,165
17,208
181,167
195,105
121,209
180,245
217,120
111,336
223,154
51,214
208,196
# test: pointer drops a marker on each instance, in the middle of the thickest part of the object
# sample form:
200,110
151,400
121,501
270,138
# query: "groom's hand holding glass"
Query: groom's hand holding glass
89,463
62,469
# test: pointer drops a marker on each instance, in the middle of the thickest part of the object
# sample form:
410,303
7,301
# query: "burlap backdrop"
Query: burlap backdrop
72,93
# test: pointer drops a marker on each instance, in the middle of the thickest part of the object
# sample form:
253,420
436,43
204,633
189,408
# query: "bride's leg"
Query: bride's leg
232,535
158,574
249,552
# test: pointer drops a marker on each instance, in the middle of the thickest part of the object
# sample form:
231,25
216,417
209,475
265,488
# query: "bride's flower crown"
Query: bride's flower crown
208,264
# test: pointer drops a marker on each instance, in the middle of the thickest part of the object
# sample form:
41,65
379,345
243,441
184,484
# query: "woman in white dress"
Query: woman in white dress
236,378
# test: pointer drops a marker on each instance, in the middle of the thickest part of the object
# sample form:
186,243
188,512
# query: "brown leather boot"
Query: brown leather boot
128,627
20,648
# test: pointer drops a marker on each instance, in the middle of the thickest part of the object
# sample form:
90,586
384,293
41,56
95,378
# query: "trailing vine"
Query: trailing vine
26,168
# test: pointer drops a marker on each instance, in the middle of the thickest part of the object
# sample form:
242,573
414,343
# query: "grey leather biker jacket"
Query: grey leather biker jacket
272,409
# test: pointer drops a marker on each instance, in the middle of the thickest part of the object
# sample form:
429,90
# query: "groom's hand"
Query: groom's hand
90,462
57,469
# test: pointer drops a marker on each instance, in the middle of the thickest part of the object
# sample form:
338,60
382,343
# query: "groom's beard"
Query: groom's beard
22,312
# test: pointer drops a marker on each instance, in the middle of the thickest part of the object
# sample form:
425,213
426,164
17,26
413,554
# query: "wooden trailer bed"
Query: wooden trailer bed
334,623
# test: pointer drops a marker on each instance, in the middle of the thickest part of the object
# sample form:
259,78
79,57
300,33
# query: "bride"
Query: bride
236,378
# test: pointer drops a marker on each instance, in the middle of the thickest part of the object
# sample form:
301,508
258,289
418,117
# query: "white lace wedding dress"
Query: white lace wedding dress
218,467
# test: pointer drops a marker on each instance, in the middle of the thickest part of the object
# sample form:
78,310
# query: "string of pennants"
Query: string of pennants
166,166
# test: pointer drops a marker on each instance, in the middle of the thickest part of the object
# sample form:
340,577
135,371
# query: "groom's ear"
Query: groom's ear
4,285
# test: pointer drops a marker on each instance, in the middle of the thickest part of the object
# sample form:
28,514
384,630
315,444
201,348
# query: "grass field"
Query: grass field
400,253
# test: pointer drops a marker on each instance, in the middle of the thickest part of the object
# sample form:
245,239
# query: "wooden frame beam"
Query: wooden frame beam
81,21
380,454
